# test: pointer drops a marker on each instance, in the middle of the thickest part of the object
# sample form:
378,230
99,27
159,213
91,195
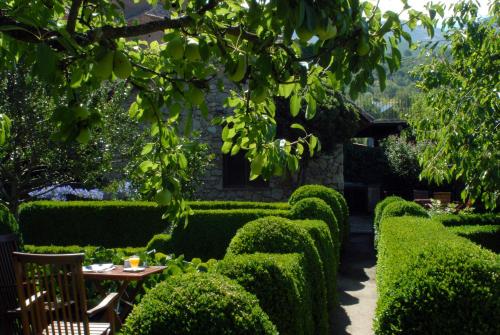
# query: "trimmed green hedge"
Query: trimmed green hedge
128,223
279,235
209,232
219,204
316,208
198,304
431,281
468,219
487,236
279,282
333,198
329,253
105,223
379,209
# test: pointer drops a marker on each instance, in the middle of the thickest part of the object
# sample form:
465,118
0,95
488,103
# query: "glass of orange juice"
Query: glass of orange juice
134,261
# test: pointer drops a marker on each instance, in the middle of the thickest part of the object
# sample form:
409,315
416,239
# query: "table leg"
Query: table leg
129,303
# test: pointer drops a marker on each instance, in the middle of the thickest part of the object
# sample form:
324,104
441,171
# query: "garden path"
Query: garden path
356,281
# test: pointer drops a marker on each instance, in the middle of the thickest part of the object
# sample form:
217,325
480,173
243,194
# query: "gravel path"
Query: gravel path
356,283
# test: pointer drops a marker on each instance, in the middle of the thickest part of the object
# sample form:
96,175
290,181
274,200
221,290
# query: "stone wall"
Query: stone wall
323,169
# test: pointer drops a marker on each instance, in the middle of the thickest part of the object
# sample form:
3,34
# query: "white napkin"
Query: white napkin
99,267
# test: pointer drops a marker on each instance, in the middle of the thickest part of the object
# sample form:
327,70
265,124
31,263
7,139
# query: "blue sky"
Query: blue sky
396,5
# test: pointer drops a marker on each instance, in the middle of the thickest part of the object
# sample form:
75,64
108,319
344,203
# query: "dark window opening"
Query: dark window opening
236,172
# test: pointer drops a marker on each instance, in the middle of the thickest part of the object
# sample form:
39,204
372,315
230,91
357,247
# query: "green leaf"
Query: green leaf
295,102
286,89
313,142
183,162
235,149
146,165
311,107
84,136
147,149
256,166
381,77
163,197
76,78
174,112
226,147
298,126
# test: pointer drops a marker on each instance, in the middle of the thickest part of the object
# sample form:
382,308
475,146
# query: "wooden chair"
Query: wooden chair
8,303
52,296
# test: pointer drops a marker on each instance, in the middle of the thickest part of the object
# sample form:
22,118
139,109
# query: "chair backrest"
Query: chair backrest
51,293
444,197
8,244
420,194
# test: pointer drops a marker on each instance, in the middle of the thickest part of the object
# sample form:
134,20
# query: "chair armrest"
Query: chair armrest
108,302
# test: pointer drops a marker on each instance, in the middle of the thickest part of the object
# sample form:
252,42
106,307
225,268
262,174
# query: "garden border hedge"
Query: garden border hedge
487,236
431,281
117,223
468,219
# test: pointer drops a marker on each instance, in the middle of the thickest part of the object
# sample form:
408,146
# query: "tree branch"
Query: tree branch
72,16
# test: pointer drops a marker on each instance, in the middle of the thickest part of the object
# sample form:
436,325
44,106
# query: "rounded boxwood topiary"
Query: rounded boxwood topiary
316,209
279,235
328,195
403,208
161,243
198,304
279,282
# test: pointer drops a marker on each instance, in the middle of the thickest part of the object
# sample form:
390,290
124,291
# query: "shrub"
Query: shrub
403,208
161,243
487,236
105,223
379,209
331,197
431,281
279,235
329,254
315,208
198,303
8,224
133,223
208,232
279,282
468,219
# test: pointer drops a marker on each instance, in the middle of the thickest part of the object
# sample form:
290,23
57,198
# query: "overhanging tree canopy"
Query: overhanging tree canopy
460,126
290,48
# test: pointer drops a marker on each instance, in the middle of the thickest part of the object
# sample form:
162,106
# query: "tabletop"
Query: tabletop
118,274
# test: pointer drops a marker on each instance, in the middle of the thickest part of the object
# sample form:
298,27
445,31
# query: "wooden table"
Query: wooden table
124,278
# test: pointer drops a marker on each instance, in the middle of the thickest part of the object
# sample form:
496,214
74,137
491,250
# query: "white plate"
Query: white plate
138,269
